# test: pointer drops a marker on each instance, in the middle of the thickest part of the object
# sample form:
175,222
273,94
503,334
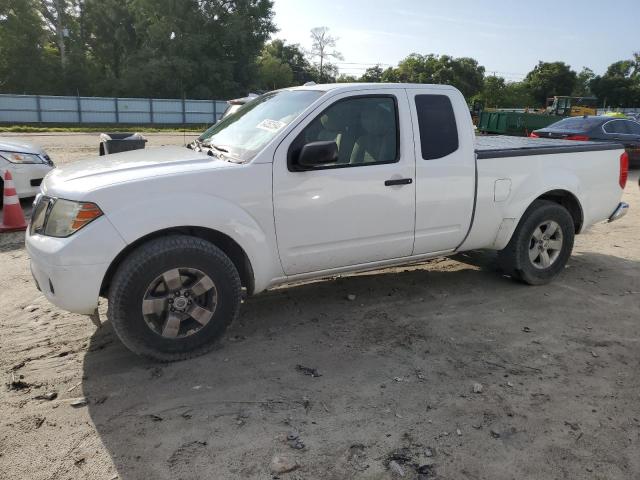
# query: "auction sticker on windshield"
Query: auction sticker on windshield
270,125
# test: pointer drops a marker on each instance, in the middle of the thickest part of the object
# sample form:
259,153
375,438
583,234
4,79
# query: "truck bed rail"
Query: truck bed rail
500,146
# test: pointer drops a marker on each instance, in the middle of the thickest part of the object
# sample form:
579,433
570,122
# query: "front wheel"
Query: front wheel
541,245
173,297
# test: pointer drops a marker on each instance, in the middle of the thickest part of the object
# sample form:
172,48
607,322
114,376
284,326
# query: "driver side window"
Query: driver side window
364,129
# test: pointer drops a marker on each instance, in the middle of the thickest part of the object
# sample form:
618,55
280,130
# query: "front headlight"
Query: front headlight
15,157
56,217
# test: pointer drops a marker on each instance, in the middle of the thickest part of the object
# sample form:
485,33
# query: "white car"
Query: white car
305,183
28,164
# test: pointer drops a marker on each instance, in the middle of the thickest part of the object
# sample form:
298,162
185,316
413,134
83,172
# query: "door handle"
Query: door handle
398,181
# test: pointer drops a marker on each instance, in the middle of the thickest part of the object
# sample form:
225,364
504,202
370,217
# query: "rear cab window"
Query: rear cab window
437,125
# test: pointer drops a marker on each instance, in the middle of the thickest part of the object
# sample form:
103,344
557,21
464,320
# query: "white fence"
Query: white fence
18,109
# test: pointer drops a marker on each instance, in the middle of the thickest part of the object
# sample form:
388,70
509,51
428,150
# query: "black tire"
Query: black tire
515,258
137,272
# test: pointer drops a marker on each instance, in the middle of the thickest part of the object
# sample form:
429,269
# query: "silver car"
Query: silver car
28,164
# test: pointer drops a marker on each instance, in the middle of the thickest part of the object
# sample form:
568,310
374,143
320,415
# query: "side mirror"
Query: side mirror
318,153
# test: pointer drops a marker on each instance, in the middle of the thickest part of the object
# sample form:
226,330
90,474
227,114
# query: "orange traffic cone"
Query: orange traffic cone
13,218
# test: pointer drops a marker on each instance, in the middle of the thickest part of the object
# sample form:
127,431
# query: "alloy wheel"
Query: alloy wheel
179,303
545,244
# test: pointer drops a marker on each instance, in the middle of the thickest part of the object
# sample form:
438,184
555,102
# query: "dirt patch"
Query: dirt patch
396,387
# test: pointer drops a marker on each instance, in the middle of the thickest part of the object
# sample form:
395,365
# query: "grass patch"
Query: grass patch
102,128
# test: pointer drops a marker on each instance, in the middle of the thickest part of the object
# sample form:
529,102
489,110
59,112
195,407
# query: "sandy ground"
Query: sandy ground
558,367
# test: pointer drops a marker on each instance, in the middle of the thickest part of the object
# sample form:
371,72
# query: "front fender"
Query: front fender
143,216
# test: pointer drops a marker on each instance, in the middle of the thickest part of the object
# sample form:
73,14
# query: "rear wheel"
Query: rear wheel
173,297
541,245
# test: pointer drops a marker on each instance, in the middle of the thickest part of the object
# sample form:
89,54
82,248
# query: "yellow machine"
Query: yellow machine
572,106
615,115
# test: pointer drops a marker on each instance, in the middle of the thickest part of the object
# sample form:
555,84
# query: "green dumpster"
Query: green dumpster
514,123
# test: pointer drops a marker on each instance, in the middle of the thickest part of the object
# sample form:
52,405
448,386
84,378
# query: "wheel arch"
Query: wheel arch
228,245
561,196
569,201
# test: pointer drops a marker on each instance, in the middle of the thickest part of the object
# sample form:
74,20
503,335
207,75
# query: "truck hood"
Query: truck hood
93,173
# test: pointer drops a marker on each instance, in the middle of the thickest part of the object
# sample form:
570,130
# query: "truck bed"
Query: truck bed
497,146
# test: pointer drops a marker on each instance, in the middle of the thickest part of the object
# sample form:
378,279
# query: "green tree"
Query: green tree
342,78
372,74
622,68
497,93
273,73
330,72
27,65
583,82
171,48
493,91
143,48
463,73
548,79
64,22
620,84
59,19
390,75
415,68
112,40
517,95
293,56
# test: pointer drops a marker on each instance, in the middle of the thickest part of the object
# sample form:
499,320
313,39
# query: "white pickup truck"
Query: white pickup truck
304,183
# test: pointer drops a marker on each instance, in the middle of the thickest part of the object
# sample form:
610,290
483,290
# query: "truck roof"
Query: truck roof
360,86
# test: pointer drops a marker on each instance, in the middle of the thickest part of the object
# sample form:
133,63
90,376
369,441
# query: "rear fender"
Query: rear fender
526,192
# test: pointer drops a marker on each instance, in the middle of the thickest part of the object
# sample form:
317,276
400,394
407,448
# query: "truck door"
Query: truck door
358,208
445,169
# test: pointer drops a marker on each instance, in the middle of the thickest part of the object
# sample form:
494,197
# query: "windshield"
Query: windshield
575,124
244,133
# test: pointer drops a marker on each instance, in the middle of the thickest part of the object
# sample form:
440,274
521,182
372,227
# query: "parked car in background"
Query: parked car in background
597,128
28,164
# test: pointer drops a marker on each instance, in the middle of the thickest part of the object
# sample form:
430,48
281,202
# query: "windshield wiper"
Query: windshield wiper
223,155
219,152
197,143
220,149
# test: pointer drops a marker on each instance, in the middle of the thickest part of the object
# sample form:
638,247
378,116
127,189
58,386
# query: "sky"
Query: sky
506,37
